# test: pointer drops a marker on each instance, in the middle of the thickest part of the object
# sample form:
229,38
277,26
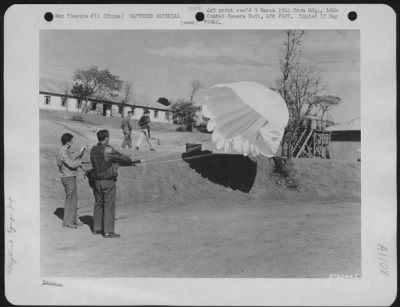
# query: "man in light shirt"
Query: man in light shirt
127,131
68,164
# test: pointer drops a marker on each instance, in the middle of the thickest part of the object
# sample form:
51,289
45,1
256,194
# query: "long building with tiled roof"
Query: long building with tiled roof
56,95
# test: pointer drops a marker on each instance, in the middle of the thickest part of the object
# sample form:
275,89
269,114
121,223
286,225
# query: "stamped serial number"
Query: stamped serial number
344,276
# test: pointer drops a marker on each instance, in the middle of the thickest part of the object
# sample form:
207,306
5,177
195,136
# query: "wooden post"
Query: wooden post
314,140
304,144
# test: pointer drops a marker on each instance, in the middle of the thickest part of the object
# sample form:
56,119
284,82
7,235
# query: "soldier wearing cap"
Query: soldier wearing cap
105,160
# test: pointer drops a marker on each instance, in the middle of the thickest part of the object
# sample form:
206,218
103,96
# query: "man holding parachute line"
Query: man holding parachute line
105,160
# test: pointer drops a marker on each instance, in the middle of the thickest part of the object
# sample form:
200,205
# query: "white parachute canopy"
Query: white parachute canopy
246,117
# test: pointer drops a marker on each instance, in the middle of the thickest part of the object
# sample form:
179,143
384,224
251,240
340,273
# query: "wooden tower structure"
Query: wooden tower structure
313,140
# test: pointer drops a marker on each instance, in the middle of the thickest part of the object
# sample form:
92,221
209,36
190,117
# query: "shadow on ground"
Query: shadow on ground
86,219
59,213
234,171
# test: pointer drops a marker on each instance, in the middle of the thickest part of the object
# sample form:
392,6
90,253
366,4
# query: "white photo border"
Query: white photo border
24,285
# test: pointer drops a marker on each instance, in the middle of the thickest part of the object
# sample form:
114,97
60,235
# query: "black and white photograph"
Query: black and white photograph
238,153
200,155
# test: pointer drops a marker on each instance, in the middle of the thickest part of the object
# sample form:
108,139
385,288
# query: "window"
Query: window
121,110
94,106
63,101
79,103
167,115
155,113
47,100
133,111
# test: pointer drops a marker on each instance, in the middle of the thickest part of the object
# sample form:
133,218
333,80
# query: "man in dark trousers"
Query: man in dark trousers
144,124
104,160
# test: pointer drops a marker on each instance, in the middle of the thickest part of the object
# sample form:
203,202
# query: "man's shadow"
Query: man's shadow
230,170
86,219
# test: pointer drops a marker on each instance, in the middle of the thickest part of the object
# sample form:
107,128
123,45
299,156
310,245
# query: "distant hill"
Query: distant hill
353,124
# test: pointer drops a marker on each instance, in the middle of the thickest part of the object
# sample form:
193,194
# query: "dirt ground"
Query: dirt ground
178,218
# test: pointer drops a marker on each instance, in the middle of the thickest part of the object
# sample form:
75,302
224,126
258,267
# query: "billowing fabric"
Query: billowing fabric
246,117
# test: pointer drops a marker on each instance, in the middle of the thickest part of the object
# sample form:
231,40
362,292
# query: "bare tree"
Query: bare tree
92,81
66,93
326,102
184,112
195,87
128,94
298,86
290,57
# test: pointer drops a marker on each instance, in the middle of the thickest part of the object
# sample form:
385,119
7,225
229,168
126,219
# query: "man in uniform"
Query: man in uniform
127,131
104,160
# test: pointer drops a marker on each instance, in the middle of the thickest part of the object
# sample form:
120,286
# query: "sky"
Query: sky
163,63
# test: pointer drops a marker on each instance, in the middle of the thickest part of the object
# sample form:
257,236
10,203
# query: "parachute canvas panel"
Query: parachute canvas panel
246,117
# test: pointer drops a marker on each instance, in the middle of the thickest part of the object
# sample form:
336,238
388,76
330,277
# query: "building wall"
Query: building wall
155,115
346,135
55,103
114,110
345,145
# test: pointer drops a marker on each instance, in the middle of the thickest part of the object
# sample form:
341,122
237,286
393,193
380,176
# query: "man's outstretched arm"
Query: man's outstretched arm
117,157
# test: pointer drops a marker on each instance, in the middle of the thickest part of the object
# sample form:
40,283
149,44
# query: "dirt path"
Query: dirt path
217,217
210,238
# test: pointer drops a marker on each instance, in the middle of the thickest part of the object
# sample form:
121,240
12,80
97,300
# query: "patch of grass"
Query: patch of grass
285,173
